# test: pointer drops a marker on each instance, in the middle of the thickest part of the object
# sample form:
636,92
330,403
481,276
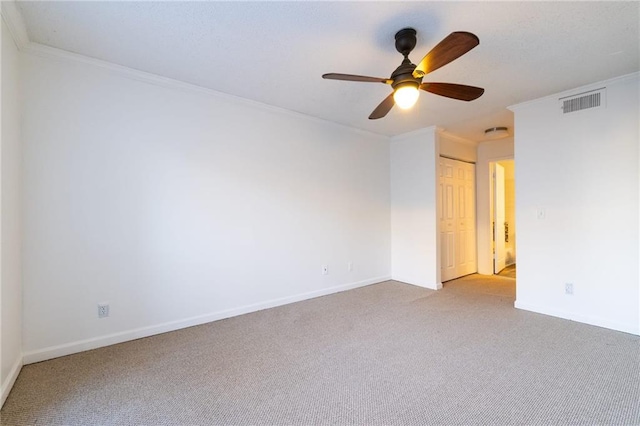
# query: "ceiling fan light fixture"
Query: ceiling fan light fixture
496,133
406,79
406,95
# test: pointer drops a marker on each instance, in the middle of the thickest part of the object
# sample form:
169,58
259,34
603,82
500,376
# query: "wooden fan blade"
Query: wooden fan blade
351,77
384,107
452,47
454,91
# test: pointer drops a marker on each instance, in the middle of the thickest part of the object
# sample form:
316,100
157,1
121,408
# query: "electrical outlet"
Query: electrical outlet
568,288
350,266
103,310
325,269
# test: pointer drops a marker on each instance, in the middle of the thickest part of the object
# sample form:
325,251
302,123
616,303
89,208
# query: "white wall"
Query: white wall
582,170
487,152
179,207
414,236
10,225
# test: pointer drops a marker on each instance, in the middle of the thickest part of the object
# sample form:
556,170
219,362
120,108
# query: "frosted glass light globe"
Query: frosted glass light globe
406,96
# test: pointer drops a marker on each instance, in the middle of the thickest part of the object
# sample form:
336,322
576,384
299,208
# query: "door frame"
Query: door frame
484,182
498,227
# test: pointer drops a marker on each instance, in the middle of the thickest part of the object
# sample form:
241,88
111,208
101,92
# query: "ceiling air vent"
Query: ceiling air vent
586,100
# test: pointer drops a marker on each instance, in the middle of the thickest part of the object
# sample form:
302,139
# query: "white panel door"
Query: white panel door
500,252
456,210
447,220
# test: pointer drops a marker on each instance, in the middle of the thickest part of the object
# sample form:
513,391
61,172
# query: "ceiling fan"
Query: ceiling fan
407,78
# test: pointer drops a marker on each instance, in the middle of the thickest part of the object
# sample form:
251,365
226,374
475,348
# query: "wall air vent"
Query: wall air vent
586,100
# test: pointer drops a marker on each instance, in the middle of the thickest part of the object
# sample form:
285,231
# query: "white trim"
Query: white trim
424,131
449,135
600,322
500,158
411,281
37,49
587,87
10,380
138,333
15,24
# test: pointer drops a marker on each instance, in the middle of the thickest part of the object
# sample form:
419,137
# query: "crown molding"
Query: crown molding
12,16
425,131
15,23
449,135
40,50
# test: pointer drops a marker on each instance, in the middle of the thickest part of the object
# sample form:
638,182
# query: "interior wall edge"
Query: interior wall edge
586,319
574,174
138,333
10,380
417,282
414,252
11,314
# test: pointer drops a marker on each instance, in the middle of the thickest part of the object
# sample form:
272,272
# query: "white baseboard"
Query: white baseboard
7,385
124,336
586,319
408,280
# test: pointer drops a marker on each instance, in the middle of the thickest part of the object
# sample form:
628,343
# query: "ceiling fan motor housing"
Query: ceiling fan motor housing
403,75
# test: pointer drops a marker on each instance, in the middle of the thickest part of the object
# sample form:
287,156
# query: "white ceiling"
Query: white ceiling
275,53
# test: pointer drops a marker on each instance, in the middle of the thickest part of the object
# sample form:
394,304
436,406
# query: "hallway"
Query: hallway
509,271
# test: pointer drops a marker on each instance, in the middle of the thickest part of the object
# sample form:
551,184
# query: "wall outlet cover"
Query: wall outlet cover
103,310
568,288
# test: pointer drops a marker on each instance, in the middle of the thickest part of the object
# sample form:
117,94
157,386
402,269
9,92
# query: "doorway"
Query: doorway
502,208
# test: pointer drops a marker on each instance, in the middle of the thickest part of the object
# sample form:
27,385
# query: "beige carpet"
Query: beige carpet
389,353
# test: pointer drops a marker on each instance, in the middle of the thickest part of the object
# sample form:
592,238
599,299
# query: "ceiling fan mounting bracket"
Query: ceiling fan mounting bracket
405,41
